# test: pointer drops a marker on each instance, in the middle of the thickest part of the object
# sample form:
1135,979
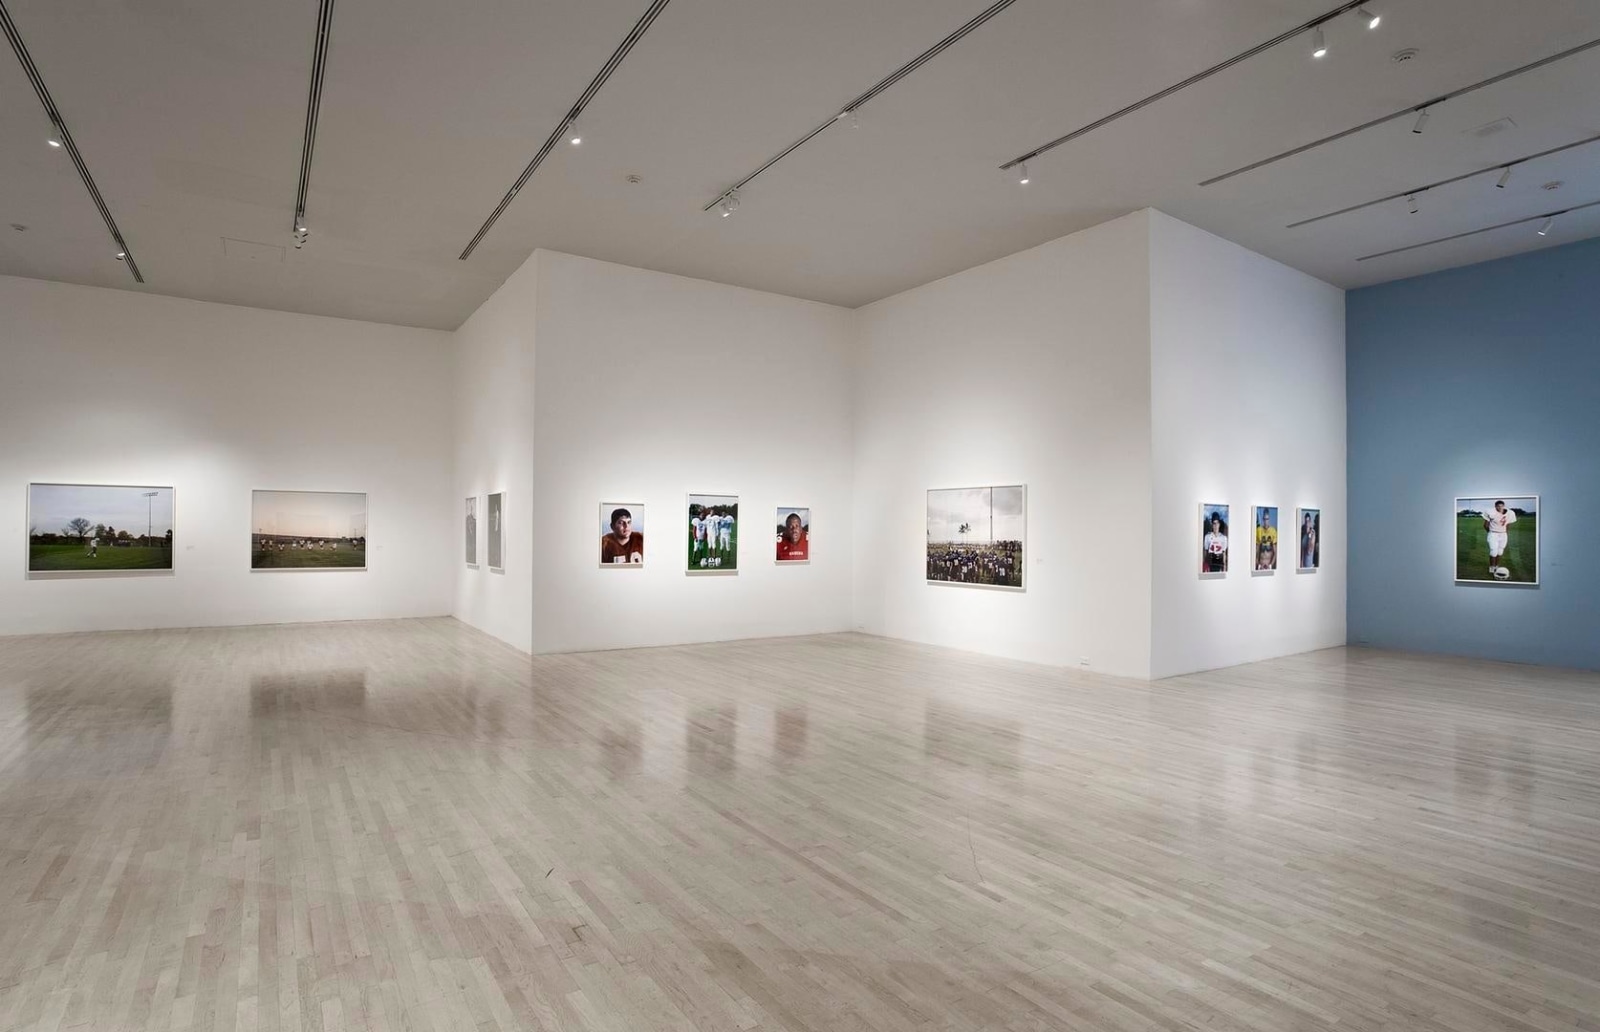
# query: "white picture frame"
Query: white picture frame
1464,531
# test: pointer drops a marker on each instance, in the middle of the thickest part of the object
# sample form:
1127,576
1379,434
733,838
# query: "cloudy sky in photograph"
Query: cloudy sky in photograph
309,514
52,506
1523,502
995,513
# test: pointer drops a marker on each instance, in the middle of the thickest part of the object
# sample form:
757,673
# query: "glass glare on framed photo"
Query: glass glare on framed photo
497,532
1497,539
308,530
93,528
1265,545
472,531
1308,535
621,534
713,533
976,535
794,535
1213,539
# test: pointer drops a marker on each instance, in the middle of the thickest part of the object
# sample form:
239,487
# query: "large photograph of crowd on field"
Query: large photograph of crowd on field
96,528
308,530
976,534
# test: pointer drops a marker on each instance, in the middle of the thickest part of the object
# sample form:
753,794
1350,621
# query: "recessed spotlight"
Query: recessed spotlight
1319,43
1549,224
1372,19
633,178
19,227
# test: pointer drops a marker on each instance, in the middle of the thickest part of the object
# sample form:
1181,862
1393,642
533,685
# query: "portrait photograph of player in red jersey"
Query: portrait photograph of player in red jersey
1213,539
794,535
621,535
975,536
1497,540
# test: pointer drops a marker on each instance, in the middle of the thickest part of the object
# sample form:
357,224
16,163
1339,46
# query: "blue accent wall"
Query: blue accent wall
1473,381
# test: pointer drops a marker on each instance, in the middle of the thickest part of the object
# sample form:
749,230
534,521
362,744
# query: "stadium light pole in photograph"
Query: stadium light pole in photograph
149,517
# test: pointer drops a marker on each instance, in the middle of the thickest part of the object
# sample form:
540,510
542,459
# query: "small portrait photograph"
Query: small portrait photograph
976,535
90,528
472,531
1497,539
308,530
621,534
1266,543
713,533
1213,539
497,532
794,535
1308,531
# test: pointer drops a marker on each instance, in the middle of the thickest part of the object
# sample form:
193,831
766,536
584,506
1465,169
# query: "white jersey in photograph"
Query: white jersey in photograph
725,529
1499,521
699,526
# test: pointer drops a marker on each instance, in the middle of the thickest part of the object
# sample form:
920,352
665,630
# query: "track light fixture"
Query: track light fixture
1422,122
1505,177
730,203
1549,224
1319,43
1411,202
574,134
1022,174
122,256
301,234
54,139
1372,19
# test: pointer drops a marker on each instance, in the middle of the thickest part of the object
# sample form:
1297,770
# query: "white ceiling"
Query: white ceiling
190,112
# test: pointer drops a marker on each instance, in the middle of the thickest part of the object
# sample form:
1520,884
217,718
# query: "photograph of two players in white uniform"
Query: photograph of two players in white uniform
1497,539
713,533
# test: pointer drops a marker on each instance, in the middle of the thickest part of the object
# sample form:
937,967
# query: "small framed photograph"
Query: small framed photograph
1497,540
1308,535
794,535
713,533
472,532
622,535
1264,547
496,514
1213,539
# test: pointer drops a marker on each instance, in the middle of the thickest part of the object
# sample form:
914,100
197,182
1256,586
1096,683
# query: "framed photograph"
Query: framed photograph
472,532
496,514
621,535
1308,532
713,533
794,535
99,528
1265,544
1497,539
976,535
1213,539
308,530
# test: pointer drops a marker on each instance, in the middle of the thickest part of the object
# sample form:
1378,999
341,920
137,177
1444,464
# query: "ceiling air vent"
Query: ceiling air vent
1488,129
250,251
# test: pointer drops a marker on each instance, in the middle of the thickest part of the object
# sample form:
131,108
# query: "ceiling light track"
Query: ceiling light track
568,121
63,136
1419,110
1503,167
851,110
1547,218
1314,25
319,69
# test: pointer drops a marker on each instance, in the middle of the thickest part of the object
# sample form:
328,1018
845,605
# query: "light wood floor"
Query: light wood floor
406,825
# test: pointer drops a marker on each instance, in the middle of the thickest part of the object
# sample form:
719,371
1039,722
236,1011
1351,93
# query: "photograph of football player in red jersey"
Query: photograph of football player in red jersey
794,535
621,534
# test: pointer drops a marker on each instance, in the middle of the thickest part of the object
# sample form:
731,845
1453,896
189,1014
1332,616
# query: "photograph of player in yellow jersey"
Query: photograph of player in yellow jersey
1266,538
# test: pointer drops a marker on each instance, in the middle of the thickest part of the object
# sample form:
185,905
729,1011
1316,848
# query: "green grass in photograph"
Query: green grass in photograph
718,558
1472,551
74,556
343,557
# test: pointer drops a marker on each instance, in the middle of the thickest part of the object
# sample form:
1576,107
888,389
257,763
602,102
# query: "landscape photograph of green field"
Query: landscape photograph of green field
1480,520
308,530
99,528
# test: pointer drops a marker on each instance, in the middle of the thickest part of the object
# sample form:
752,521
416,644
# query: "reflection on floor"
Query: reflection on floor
406,825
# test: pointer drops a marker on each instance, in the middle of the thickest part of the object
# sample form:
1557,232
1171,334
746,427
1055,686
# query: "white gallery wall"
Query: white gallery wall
1033,369
650,386
494,406
116,387
1248,408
